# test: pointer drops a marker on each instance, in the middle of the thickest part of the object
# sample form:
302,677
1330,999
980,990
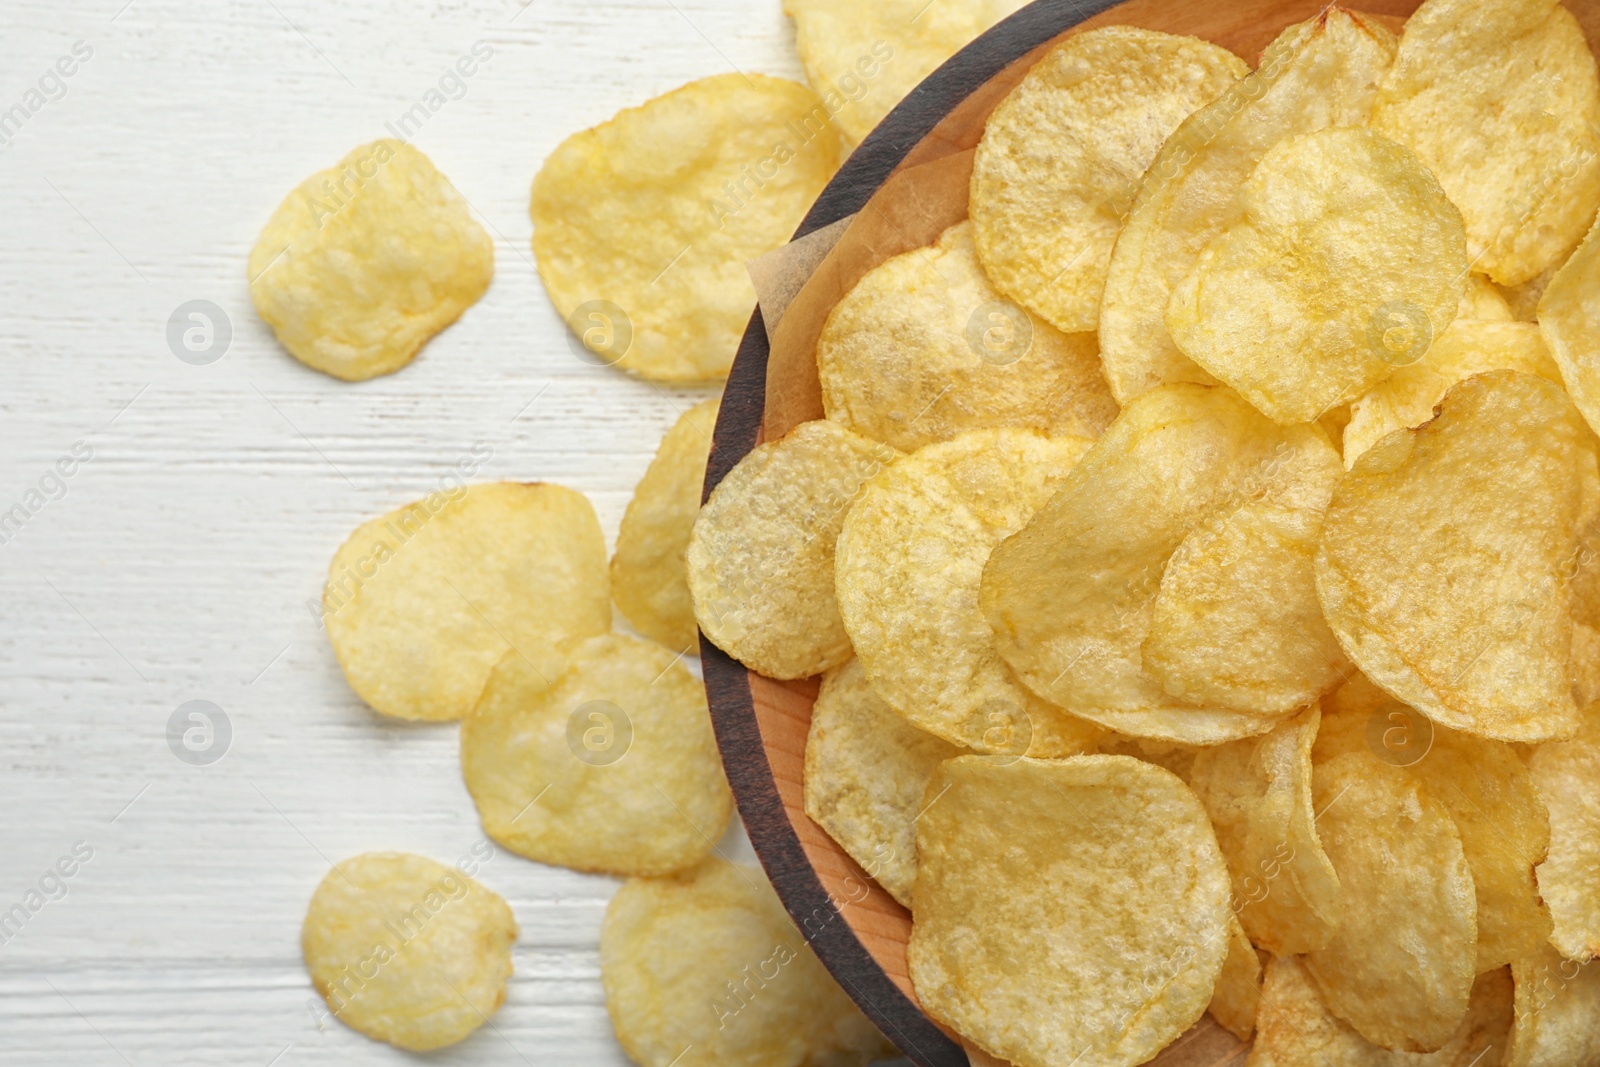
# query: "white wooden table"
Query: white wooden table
179,562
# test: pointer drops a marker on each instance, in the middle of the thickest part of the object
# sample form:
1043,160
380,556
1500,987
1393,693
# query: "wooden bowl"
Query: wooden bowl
904,185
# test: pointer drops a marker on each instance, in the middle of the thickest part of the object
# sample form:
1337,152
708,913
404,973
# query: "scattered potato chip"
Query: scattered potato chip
862,59
365,261
1501,100
1557,1013
1258,795
406,950
924,349
643,224
420,603
1062,156
610,767
909,562
1346,262
866,771
1566,775
1484,302
761,553
1066,910
1237,999
649,577
1569,319
1295,1029
705,969
1411,394
1317,74
1071,596
1442,554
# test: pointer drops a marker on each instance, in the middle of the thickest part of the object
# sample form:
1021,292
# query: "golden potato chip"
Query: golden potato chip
1410,395
1062,156
909,562
420,603
1346,262
705,969
1569,319
1070,910
1295,1029
365,261
1565,775
649,577
611,767
1071,596
1557,1013
924,349
1179,759
862,59
866,771
1400,966
1501,100
1442,555
643,224
1317,74
1483,301
761,553
1238,995
1258,795
406,950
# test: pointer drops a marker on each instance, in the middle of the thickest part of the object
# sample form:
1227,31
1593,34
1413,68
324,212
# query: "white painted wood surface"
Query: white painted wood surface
179,563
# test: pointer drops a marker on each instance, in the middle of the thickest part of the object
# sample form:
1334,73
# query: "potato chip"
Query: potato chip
1062,156
924,349
1569,319
1295,1029
866,771
1179,759
1238,995
1442,556
1411,394
365,261
1557,1013
1317,74
1501,100
420,603
406,950
862,59
1484,301
1069,910
1400,966
1565,775
612,767
1071,596
649,577
643,224
761,553
1346,263
706,969
909,562
1258,795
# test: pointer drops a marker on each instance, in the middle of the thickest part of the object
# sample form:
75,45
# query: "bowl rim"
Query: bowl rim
738,428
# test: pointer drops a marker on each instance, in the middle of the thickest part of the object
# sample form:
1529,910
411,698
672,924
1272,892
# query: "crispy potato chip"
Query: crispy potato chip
649,577
1565,775
1071,596
1238,995
1317,74
610,767
1400,966
1179,759
365,261
761,553
1258,795
1062,156
1411,394
909,562
1066,910
420,603
1501,100
643,224
1346,262
406,950
1295,1029
862,59
1483,301
866,771
1557,1013
924,349
716,937
1442,556
1569,319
